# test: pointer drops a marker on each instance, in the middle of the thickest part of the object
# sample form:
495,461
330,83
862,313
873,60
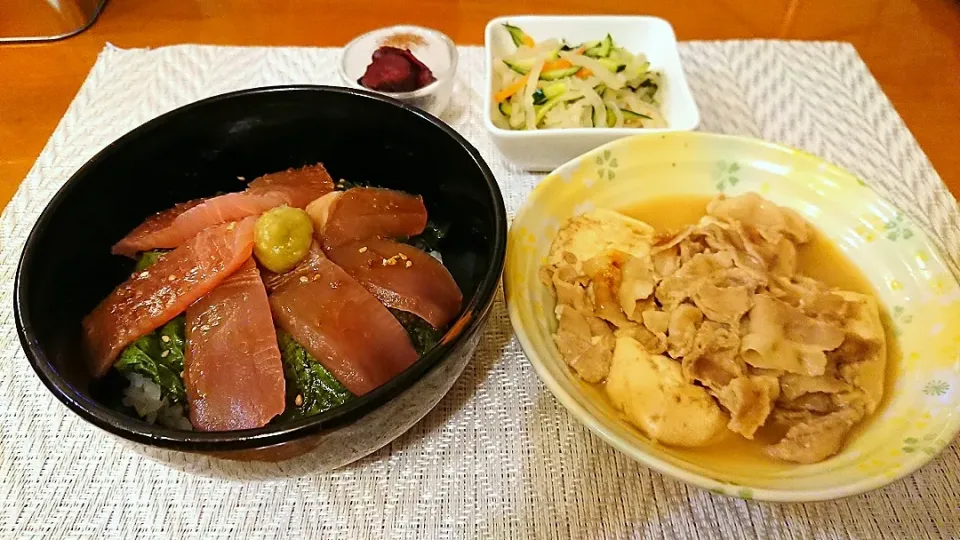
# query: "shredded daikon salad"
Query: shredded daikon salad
553,84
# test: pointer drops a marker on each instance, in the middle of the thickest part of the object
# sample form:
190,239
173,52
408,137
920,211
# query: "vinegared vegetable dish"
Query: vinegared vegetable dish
271,304
556,84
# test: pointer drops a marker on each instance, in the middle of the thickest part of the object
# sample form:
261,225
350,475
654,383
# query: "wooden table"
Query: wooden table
912,48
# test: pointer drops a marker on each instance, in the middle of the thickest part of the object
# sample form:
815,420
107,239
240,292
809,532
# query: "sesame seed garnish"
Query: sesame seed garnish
165,339
164,354
402,256
241,178
363,249
409,264
304,279
144,274
384,262
172,277
298,400
181,374
232,226
205,328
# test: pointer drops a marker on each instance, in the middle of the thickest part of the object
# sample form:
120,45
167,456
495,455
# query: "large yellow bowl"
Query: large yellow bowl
922,413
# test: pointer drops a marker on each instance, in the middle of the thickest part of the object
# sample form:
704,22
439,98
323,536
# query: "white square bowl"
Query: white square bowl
547,149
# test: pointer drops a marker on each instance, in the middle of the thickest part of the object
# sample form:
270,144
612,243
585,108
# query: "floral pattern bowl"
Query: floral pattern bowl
921,414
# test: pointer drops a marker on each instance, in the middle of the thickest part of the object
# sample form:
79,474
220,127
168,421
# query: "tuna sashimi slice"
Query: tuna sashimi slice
150,299
170,228
402,277
342,325
232,370
358,213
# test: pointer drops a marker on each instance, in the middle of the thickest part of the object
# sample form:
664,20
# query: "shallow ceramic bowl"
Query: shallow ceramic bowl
919,418
209,146
436,51
545,149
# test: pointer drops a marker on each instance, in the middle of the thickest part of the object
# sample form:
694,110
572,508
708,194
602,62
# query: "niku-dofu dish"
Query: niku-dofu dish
553,84
271,304
716,330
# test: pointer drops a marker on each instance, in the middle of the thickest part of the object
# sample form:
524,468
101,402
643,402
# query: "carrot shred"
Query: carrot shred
505,94
584,73
557,64
528,41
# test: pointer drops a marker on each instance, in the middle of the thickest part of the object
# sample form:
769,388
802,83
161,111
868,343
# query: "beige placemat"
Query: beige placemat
499,457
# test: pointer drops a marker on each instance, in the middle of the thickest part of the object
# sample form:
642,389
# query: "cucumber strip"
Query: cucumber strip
602,50
518,36
561,73
542,110
630,116
522,67
589,45
599,118
506,108
611,65
553,90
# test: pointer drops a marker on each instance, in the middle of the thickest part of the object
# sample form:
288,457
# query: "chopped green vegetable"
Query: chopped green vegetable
429,239
173,342
423,336
148,259
145,357
308,382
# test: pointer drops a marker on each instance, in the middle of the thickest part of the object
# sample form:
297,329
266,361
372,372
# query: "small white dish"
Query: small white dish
431,47
544,150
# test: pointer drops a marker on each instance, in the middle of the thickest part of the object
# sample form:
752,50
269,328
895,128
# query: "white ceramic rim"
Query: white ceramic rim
420,92
680,81
653,462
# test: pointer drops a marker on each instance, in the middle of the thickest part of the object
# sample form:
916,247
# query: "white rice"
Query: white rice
144,396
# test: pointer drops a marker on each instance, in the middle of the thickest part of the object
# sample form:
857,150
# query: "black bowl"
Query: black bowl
205,147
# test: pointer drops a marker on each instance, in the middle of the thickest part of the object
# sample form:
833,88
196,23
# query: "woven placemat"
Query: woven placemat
498,457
